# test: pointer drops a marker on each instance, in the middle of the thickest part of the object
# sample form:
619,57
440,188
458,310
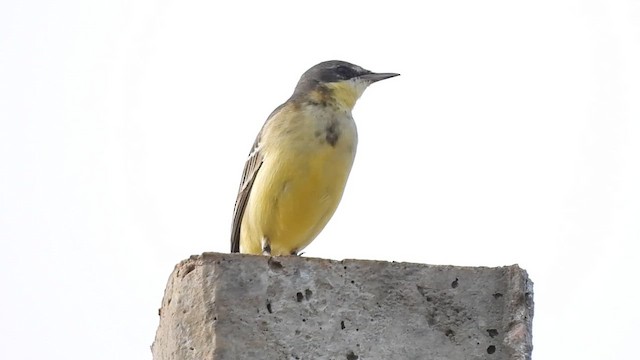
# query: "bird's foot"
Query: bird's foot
266,247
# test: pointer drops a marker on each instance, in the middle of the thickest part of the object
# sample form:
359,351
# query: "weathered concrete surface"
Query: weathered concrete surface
231,306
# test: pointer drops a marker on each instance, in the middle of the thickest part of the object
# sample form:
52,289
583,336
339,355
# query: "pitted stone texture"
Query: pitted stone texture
232,306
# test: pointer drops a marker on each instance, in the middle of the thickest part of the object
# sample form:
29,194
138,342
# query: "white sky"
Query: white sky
512,136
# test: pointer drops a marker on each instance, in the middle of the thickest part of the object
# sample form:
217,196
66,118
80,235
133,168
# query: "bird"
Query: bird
297,169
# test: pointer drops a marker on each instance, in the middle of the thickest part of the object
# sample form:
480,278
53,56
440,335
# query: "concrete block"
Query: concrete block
232,306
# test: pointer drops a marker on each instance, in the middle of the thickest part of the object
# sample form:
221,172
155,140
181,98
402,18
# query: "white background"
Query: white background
512,136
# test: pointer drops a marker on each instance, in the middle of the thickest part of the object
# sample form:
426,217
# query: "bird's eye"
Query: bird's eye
344,72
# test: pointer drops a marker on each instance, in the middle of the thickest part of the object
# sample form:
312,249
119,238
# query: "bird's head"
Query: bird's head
337,82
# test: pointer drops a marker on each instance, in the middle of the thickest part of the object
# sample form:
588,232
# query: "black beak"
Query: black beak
373,77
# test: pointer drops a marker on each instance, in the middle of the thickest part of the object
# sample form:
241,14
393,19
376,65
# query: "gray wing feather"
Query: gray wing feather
251,168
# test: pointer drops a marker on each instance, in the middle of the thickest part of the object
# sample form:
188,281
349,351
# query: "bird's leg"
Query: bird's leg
266,246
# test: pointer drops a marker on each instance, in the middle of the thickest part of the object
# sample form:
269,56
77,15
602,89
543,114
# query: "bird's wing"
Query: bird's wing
251,168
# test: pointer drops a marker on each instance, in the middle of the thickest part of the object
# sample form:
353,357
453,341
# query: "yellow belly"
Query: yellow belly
294,195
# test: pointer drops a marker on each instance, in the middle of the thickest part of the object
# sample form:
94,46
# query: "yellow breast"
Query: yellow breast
307,160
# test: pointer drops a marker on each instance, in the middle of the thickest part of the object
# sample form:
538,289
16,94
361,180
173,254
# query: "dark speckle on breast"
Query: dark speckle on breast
332,133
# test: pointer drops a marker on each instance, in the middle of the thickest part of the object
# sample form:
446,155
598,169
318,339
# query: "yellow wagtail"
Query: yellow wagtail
296,172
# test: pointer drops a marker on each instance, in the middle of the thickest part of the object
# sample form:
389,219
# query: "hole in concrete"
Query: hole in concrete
450,333
169,301
342,325
269,308
491,349
191,349
492,332
274,265
345,267
497,295
353,282
304,320
454,284
429,298
299,297
307,294
352,356
189,268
